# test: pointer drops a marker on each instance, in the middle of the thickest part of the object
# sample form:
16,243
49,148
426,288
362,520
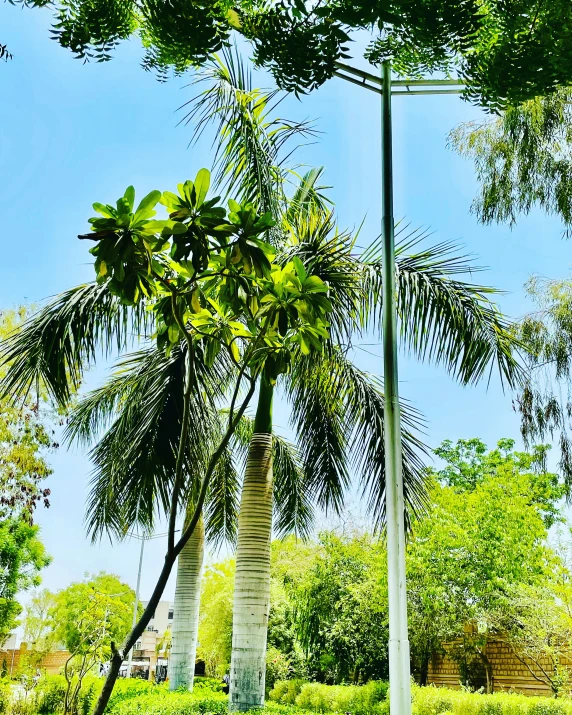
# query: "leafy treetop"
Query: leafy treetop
468,464
208,276
22,557
507,52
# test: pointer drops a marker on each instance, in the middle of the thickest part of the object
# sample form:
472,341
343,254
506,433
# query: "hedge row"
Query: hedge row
441,701
355,699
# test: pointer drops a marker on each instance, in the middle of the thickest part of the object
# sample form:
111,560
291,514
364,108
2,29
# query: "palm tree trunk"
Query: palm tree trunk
252,580
186,610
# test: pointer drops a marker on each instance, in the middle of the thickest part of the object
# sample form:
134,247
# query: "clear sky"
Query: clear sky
72,134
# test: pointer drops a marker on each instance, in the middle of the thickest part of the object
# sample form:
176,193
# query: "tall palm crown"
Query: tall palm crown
337,410
442,318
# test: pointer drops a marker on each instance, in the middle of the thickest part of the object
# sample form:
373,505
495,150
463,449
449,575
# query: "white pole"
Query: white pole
136,606
399,669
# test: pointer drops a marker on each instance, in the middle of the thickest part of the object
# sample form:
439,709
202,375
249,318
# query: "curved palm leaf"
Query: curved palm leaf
249,154
56,345
443,318
312,235
135,460
337,411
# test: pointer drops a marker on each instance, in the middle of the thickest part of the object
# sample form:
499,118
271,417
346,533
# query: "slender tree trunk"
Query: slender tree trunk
252,580
186,610
424,669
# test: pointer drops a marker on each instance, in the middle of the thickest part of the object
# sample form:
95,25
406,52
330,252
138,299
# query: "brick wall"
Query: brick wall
51,664
508,672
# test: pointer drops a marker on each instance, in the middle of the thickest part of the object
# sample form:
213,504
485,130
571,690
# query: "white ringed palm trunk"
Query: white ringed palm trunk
186,611
252,579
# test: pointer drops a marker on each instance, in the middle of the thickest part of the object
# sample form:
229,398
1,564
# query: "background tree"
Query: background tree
537,625
38,625
26,436
88,617
341,610
215,621
522,159
300,43
477,544
22,557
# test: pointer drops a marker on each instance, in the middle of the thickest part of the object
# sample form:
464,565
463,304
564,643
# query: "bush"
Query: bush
128,688
4,695
50,694
355,699
162,702
277,667
286,691
433,701
213,685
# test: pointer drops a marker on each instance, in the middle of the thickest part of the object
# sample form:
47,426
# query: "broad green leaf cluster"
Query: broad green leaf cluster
210,270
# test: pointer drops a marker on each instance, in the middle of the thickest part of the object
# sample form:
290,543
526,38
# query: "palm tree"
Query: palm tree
443,318
186,610
335,406
126,494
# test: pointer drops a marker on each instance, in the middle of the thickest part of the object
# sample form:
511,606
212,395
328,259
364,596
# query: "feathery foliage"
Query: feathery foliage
507,53
545,399
55,346
443,318
522,159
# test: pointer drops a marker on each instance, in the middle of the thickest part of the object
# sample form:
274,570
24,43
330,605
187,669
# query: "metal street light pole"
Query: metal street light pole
143,538
399,669
136,605
399,663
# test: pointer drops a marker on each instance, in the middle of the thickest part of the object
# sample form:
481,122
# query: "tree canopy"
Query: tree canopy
506,52
22,557
25,438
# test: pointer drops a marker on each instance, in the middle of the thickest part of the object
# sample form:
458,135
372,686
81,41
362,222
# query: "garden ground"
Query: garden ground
135,697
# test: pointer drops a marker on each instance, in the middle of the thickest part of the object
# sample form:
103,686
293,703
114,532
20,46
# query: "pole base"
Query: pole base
399,677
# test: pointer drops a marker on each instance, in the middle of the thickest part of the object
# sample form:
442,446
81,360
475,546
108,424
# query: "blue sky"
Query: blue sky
73,134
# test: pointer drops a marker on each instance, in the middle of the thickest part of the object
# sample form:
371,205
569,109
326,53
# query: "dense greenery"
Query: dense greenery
506,52
475,557
22,557
288,698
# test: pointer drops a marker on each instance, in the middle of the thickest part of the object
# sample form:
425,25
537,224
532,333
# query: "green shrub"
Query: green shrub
437,701
90,689
277,667
4,695
129,688
286,691
355,699
214,685
50,694
162,702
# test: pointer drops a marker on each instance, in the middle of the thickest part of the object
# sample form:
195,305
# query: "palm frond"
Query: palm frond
135,459
249,153
442,318
223,502
338,413
308,195
293,510
365,410
58,343
326,252
318,418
